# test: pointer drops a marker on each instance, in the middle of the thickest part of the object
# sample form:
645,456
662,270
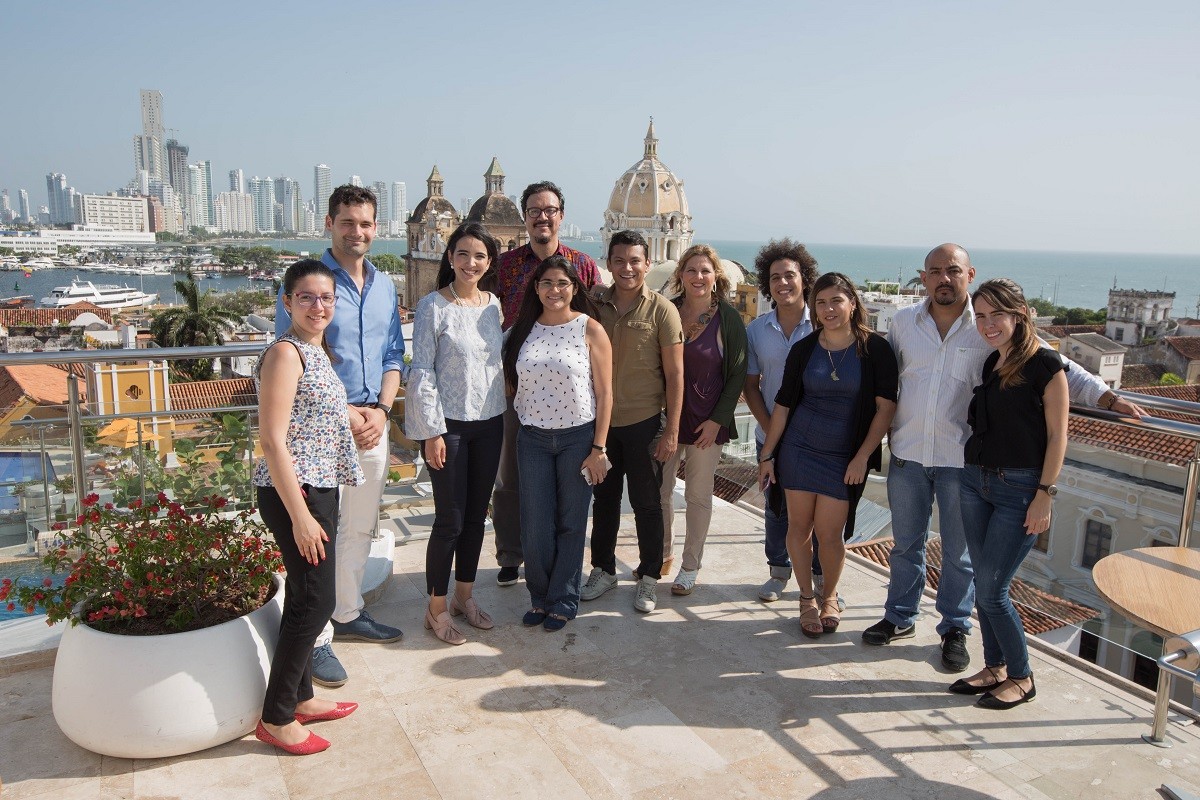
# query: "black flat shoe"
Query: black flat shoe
534,616
961,686
990,701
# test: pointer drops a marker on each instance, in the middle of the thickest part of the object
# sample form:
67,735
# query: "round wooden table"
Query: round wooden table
1155,588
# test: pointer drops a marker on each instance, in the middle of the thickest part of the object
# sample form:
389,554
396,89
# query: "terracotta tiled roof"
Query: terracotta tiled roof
44,317
1148,444
1186,391
1040,612
213,394
734,477
45,385
1139,375
1186,346
1059,331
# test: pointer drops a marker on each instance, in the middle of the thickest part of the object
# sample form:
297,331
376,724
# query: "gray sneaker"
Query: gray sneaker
772,590
647,595
326,669
597,584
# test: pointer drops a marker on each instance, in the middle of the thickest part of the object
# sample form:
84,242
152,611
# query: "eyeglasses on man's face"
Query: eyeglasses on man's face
308,300
537,213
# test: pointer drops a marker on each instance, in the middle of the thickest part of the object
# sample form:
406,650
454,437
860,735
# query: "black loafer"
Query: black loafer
989,700
534,616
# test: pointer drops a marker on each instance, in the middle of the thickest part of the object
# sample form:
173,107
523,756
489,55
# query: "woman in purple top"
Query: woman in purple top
714,369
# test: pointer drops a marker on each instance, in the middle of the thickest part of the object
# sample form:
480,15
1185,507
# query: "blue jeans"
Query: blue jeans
994,503
555,500
775,527
911,489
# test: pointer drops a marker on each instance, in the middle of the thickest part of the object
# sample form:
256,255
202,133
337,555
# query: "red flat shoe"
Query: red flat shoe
313,744
342,710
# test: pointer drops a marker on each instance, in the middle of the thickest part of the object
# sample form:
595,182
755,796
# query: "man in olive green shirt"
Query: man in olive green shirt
647,344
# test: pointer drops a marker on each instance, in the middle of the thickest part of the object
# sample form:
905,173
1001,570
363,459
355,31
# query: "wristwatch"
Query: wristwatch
603,450
371,405
1048,488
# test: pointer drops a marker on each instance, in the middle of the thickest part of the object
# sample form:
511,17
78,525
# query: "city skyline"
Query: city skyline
1070,127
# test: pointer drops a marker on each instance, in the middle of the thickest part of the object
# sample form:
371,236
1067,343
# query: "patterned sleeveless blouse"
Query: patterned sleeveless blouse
318,435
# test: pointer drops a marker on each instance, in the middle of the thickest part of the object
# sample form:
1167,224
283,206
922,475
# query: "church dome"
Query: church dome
434,201
495,209
648,198
648,188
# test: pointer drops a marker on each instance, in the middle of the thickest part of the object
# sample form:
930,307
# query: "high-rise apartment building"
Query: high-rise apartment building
287,196
152,150
177,159
6,212
237,181
61,199
118,213
206,188
356,180
382,213
23,207
170,205
235,212
399,207
263,192
322,188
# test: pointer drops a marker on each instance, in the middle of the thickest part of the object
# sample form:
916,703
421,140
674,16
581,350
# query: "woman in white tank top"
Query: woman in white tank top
558,364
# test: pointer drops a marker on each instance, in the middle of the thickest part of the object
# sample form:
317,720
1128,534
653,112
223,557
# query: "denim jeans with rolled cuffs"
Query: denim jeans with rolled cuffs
911,489
555,500
994,504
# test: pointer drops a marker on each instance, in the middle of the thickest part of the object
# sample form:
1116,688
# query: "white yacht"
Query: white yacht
105,295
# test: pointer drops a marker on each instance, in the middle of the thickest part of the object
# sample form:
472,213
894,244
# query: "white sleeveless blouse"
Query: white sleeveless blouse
554,377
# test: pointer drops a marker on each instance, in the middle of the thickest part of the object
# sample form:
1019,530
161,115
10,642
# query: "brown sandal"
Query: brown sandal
810,617
830,622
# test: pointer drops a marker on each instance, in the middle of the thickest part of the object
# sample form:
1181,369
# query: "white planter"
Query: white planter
156,696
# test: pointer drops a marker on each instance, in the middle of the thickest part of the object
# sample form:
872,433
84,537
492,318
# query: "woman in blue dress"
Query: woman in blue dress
836,403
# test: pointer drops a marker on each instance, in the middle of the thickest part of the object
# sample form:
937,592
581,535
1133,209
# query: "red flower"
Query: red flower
47,582
91,500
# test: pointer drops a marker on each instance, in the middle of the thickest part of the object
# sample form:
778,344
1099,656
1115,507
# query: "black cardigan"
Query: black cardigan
880,378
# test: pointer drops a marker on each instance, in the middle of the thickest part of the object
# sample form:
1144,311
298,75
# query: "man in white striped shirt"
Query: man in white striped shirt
941,357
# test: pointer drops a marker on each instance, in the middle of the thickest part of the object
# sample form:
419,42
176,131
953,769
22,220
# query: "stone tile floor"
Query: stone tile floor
712,695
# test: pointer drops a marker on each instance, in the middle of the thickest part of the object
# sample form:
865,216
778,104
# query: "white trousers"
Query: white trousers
358,519
700,467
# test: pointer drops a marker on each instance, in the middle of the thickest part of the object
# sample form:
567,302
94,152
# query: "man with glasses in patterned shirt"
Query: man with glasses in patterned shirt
542,205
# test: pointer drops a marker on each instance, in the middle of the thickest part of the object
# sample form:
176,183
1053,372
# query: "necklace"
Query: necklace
833,368
701,322
478,298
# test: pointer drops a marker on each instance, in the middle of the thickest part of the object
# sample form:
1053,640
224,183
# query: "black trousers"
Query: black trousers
307,602
629,452
461,490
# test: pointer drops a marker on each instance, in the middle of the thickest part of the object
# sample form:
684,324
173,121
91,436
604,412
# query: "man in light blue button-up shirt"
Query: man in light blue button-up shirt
366,339
786,271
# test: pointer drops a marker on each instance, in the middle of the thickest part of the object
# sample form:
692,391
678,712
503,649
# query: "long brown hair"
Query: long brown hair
858,317
1003,294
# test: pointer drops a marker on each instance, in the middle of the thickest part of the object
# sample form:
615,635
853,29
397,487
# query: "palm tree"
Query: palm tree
196,323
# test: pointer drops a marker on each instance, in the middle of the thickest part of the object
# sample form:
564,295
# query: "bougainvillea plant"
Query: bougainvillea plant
153,568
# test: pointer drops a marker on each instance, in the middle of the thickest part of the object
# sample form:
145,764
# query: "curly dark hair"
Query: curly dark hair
784,248
350,195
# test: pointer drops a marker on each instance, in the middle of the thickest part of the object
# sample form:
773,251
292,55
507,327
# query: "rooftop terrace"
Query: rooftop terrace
712,695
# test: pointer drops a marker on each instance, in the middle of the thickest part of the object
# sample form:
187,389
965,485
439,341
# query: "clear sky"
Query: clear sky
1023,125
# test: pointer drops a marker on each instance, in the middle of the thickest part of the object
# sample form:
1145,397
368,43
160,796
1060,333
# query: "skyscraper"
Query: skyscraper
382,215
237,181
23,206
61,199
177,155
153,153
6,212
287,196
399,203
206,192
322,188
263,192
356,180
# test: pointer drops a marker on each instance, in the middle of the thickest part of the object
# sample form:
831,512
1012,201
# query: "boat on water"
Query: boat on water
104,295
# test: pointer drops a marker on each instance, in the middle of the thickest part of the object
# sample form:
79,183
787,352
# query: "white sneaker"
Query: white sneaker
772,590
647,595
598,583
